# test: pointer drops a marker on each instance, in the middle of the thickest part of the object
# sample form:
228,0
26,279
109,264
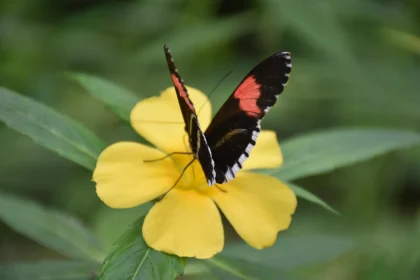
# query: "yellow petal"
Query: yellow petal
257,205
159,120
124,180
266,153
184,223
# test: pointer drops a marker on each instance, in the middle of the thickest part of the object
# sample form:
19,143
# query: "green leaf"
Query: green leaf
304,194
49,129
49,270
239,261
198,36
402,39
110,223
132,259
293,251
233,268
118,99
320,152
317,24
50,228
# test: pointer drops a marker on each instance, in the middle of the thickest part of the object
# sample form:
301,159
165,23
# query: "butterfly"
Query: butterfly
225,145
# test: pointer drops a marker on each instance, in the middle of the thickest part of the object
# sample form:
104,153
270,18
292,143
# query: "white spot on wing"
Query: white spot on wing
231,172
235,168
242,159
255,135
229,175
210,181
249,148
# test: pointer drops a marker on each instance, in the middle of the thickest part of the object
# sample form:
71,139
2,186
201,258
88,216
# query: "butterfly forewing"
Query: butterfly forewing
185,104
197,140
234,130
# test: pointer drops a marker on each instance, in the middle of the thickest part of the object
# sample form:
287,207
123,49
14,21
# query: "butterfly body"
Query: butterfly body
225,145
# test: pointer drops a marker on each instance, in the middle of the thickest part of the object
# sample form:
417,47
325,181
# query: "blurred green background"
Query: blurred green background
355,64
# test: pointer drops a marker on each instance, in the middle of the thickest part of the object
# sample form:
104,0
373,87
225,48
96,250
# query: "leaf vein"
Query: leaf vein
140,264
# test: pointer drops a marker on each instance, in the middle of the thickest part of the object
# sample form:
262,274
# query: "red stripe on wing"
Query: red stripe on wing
248,93
182,91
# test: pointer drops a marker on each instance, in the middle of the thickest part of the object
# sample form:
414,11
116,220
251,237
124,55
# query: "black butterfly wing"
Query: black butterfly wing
197,139
234,130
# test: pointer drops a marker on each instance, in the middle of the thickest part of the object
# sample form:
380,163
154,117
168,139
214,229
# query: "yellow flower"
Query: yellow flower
187,222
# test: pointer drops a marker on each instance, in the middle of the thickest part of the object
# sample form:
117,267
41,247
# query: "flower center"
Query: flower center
193,177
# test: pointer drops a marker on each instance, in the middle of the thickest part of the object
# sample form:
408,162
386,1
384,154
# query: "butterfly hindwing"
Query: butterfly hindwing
201,150
197,140
234,130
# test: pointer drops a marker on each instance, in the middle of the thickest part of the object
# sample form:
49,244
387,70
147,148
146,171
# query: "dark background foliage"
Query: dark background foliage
355,64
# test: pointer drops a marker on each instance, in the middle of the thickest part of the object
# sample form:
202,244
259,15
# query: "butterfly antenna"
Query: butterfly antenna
214,89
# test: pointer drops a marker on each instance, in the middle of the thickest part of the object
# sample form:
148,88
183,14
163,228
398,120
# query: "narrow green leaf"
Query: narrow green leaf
320,152
119,100
132,259
196,268
50,228
402,39
49,270
198,36
304,194
236,269
110,223
49,129
239,261
294,251
317,24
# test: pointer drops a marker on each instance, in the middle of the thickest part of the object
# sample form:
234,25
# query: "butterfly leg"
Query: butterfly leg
168,155
179,178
